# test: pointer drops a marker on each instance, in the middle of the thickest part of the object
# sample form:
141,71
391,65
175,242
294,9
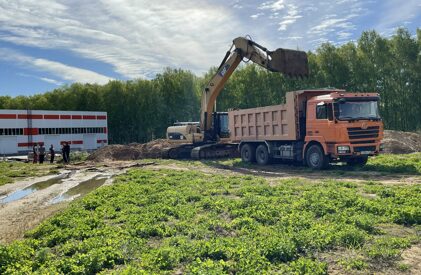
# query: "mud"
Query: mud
19,194
27,203
80,190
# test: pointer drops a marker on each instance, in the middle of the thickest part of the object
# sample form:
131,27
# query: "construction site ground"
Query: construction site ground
26,202
22,214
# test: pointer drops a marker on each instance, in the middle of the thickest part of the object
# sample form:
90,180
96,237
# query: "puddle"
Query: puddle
80,190
19,194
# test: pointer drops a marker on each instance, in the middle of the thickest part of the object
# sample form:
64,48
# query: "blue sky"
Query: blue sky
45,44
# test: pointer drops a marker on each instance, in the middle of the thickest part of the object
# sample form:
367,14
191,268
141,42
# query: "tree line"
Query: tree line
141,110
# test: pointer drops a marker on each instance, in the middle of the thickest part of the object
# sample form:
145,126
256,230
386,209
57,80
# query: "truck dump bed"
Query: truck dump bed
277,122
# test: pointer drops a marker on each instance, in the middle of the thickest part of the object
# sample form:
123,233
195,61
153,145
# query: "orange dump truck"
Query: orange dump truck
314,127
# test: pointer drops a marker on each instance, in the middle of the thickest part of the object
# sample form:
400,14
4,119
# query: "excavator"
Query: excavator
210,138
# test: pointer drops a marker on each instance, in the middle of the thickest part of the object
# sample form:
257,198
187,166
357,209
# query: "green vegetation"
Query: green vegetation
11,170
140,110
384,163
391,163
169,221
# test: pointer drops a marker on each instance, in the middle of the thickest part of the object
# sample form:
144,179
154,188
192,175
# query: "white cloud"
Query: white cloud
257,15
45,79
137,38
52,81
63,71
290,18
272,5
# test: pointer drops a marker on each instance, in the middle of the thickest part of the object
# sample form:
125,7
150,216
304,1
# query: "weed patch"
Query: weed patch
170,221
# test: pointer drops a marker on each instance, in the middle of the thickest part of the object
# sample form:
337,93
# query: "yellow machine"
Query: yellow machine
209,138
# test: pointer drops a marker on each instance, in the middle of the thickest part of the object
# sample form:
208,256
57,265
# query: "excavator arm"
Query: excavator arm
289,62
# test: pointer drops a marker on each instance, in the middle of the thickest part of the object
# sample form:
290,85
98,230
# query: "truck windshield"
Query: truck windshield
353,110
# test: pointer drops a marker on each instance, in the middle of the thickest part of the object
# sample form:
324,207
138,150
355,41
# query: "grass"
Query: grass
168,221
13,170
384,164
408,163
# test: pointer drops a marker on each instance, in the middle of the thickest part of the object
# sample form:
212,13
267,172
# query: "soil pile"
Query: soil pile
154,149
397,142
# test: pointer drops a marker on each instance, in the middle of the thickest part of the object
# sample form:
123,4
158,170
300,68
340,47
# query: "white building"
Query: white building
21,129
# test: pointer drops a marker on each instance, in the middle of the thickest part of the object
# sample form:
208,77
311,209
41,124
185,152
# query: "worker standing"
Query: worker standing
63,153
52,154
35,151
41,153
65,150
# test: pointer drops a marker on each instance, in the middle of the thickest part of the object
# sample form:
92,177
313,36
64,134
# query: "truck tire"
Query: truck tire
315,157
247,153
359,161
262,155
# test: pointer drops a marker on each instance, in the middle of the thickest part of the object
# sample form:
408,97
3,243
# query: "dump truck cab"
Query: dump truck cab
346,125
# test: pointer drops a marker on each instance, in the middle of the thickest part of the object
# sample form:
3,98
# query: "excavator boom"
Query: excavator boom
288,62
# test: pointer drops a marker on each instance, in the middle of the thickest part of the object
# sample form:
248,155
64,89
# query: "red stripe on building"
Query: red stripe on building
72,142
30,131
65,116
101,117
7,116
76,142
30,144
51,117
89,117
101,141
76,117
29,116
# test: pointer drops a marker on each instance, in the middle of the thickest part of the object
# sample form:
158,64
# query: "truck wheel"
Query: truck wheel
248,153
359,161
315,157
262,155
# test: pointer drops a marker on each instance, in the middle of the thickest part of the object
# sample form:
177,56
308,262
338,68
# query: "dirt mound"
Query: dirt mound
154,149
398,142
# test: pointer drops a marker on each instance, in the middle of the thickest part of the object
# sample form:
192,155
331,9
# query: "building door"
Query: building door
54,140
8,145
89,141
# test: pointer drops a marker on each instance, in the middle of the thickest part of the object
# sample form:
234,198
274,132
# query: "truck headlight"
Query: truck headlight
344,149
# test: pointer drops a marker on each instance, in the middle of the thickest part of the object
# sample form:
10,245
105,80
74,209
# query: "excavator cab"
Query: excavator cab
219,128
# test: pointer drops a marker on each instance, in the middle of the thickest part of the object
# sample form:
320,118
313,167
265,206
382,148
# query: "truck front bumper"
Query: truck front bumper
356,150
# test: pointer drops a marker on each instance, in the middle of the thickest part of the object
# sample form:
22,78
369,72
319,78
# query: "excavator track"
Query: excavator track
180,152
205,151
215,150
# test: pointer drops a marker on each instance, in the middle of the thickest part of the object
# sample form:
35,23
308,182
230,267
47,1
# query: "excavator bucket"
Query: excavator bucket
289,62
